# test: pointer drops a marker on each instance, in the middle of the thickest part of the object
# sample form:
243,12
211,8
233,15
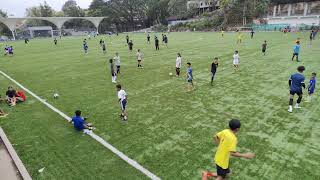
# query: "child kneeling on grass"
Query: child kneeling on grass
79,122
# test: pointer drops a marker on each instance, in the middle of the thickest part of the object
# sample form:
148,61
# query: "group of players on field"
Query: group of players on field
226,139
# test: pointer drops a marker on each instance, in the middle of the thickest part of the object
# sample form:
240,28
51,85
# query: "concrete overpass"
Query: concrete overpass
12,23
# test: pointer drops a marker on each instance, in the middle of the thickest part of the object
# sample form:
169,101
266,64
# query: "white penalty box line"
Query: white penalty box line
132,162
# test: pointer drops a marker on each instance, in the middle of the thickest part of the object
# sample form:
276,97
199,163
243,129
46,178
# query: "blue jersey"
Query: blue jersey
189,72
297,80
78,123
296,49
312,85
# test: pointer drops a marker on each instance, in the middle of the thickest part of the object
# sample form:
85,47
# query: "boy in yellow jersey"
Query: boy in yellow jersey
240,37
222,33
227,143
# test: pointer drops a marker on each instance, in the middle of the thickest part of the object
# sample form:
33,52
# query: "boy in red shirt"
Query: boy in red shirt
20,96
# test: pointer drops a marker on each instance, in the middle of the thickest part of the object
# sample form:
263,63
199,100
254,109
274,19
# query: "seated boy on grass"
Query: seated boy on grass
11,96
79,122
20,96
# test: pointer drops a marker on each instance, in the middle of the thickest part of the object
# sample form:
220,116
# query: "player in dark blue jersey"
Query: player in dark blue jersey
296,82
311,86
85,46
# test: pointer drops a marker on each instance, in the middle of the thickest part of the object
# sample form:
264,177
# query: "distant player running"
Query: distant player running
117,62
104,49
139,58
252,33
55,41
165,40
113,73
189,76
130,44
85,46
178,64
148,39
236,62
264,47
214,67
156,42
127,39
296,51
311,36
239,38
122,99
311,86
296,82
227,146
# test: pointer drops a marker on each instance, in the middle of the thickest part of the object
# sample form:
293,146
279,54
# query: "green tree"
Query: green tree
43,10
4,30
71,9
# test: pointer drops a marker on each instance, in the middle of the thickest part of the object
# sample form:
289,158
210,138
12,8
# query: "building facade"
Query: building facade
203,5
294,14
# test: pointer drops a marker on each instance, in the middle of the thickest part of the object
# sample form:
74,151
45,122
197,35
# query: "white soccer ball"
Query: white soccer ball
55,95
170,74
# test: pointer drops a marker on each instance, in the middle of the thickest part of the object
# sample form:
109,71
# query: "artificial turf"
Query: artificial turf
169,130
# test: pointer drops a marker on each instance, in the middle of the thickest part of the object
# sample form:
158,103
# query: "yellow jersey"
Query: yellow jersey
228,143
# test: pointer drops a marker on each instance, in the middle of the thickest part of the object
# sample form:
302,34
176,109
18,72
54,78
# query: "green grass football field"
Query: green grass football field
169,131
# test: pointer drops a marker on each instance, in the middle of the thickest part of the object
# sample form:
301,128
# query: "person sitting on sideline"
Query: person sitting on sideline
79,122
20,96
11,96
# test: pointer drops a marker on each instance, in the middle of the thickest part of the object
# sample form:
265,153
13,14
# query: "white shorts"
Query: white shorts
235,62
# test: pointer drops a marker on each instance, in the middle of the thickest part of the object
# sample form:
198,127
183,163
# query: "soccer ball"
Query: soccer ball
170,74
55,95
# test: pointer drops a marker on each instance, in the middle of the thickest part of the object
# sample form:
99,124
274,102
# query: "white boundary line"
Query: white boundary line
94,136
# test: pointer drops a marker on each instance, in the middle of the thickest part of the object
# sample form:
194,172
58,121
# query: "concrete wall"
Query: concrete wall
295,20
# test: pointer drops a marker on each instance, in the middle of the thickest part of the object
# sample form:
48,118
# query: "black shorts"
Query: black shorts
222,172
263,50
296,54
296,92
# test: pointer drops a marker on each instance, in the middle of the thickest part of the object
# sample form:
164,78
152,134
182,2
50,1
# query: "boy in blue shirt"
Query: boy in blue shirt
79,122
311,86
296,82
189,77
296,51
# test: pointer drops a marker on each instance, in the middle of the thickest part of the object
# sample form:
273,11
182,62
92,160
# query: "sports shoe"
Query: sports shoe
297,106
290,109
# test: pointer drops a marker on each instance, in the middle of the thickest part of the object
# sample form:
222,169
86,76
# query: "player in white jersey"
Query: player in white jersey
236,61
122,98
139,58
178,64
117,62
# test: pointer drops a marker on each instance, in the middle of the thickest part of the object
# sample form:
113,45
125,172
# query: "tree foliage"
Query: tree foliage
43,10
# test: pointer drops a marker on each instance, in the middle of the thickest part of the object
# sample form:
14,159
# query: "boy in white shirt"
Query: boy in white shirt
122,96
236,61
117,62
178,65
139,58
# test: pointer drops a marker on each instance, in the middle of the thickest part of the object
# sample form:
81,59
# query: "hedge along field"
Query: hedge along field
169,130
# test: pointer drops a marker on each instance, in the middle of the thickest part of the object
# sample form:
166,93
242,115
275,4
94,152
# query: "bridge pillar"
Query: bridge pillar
289,9
306,6
274,11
